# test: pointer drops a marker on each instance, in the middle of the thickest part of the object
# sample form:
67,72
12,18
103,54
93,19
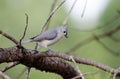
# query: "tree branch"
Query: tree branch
29,59
9,66
67,17
80,61
4,76
9,37
49,61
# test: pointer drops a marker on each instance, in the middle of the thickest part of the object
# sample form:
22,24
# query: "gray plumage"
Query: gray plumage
49,37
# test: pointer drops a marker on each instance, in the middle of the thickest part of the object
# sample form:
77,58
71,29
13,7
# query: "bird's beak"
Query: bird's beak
66,36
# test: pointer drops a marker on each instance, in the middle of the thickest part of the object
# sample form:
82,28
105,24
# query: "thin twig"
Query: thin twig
52,7
108,22
51,14
84,75
9,37
83,12
9,66
4,76
27,73
25,29
80,73
67,17
13,39
114,76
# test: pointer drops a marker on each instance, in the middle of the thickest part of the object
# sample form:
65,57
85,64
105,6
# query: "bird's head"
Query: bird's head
64,31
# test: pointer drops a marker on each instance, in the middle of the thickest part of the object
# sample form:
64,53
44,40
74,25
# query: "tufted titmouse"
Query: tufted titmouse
49,37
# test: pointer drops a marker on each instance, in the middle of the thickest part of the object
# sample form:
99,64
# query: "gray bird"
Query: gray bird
49,37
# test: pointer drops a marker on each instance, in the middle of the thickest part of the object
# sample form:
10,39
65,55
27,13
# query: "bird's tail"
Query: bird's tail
26,42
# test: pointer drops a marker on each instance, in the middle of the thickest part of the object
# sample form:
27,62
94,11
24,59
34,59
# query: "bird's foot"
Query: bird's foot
35,51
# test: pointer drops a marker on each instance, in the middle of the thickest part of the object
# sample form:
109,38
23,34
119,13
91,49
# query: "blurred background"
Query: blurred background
87,18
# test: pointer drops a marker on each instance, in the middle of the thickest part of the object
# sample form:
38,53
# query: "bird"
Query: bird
49,37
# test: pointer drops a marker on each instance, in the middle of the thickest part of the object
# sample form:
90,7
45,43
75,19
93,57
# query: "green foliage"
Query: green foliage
12,21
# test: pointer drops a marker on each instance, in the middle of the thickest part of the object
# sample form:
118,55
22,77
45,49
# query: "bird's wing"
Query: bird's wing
47,35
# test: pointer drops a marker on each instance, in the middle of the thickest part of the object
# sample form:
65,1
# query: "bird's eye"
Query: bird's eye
64,31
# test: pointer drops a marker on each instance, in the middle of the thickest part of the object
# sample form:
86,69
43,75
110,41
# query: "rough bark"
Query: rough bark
29,59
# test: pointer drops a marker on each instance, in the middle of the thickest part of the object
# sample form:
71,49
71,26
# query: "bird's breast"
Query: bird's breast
50,42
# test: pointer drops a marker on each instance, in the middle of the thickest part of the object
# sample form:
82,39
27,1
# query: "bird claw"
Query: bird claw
35,51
